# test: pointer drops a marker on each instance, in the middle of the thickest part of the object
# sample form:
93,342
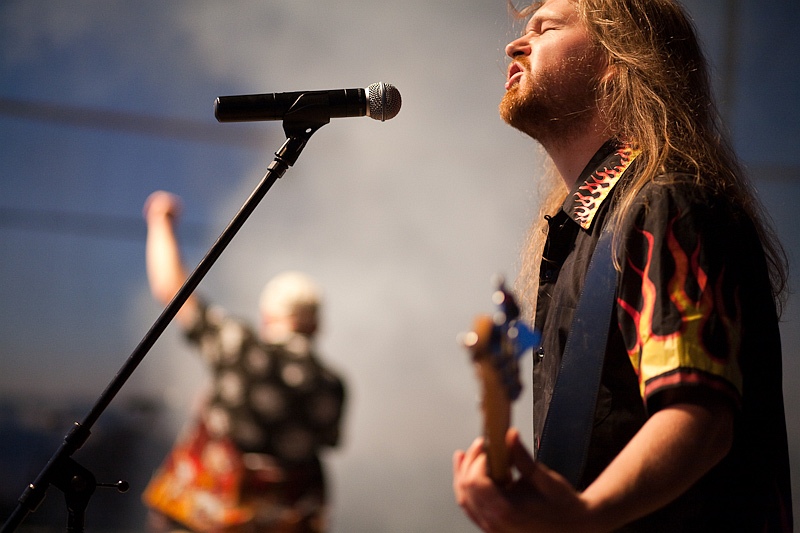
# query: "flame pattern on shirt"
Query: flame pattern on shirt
597,187
682,357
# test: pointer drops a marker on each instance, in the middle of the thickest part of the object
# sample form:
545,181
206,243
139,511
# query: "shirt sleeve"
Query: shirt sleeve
679,305
221,338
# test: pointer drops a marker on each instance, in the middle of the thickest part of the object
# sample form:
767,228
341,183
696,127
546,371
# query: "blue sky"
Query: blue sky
403,222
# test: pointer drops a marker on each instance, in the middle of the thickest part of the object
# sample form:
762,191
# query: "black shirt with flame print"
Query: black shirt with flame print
694,321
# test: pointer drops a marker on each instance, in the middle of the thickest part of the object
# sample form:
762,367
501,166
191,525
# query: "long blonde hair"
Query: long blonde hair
659,99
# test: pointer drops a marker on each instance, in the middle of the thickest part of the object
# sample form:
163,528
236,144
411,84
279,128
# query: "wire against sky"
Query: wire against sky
184,129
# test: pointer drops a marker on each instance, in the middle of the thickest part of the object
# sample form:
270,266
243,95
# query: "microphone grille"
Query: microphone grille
383,100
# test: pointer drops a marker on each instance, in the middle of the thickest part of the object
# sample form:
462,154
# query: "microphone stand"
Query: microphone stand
77,483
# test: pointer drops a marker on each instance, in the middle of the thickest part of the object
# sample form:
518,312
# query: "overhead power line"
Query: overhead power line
116,227
173,128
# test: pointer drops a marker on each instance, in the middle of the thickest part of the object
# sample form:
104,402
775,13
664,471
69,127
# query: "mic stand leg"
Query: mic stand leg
61,470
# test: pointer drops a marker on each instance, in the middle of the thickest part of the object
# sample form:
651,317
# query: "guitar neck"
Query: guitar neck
495,404
496,344
496,421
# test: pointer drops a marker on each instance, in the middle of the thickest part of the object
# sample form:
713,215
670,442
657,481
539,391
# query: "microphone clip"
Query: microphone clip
306,115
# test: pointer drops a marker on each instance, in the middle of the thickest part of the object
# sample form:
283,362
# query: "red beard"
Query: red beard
556,102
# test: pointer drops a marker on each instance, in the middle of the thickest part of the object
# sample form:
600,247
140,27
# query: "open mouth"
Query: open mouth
515,73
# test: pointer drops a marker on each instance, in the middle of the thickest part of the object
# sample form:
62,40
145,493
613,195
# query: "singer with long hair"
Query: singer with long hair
689,427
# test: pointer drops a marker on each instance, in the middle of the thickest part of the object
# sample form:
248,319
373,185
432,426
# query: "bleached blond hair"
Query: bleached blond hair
290,293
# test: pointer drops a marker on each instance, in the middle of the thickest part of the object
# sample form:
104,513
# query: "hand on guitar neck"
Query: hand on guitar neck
496,343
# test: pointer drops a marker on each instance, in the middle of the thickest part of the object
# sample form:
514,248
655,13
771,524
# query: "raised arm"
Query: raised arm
165,271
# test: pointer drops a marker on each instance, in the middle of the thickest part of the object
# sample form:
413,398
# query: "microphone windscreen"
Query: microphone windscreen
383,101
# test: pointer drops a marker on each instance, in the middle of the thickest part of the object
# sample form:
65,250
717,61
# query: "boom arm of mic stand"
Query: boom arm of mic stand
298,128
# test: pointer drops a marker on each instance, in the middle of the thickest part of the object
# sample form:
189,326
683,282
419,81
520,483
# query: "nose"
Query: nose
519,46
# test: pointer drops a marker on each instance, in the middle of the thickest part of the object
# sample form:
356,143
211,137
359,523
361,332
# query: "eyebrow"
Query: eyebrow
542,14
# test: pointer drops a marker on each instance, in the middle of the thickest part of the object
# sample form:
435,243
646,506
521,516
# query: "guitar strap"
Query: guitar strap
564,443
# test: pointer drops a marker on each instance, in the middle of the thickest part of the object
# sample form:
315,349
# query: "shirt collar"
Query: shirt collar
597,181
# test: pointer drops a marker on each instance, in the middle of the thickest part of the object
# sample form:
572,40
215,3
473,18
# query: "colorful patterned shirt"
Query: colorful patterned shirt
274,399
280,407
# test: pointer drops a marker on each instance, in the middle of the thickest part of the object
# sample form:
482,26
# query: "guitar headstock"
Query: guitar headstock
496,343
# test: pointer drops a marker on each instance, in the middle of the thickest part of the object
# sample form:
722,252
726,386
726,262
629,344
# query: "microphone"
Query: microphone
380,101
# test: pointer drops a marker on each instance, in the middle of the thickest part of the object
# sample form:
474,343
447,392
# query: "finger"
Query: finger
461,480
521,459
160,202
458,459
468,475
475,449
169,206
147,204
462,464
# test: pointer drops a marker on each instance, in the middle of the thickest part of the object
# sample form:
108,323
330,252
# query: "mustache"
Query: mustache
521,60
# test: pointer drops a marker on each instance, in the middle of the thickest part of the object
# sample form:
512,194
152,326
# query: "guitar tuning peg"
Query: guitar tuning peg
513,332
498,281
504,300
467,339
499,297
